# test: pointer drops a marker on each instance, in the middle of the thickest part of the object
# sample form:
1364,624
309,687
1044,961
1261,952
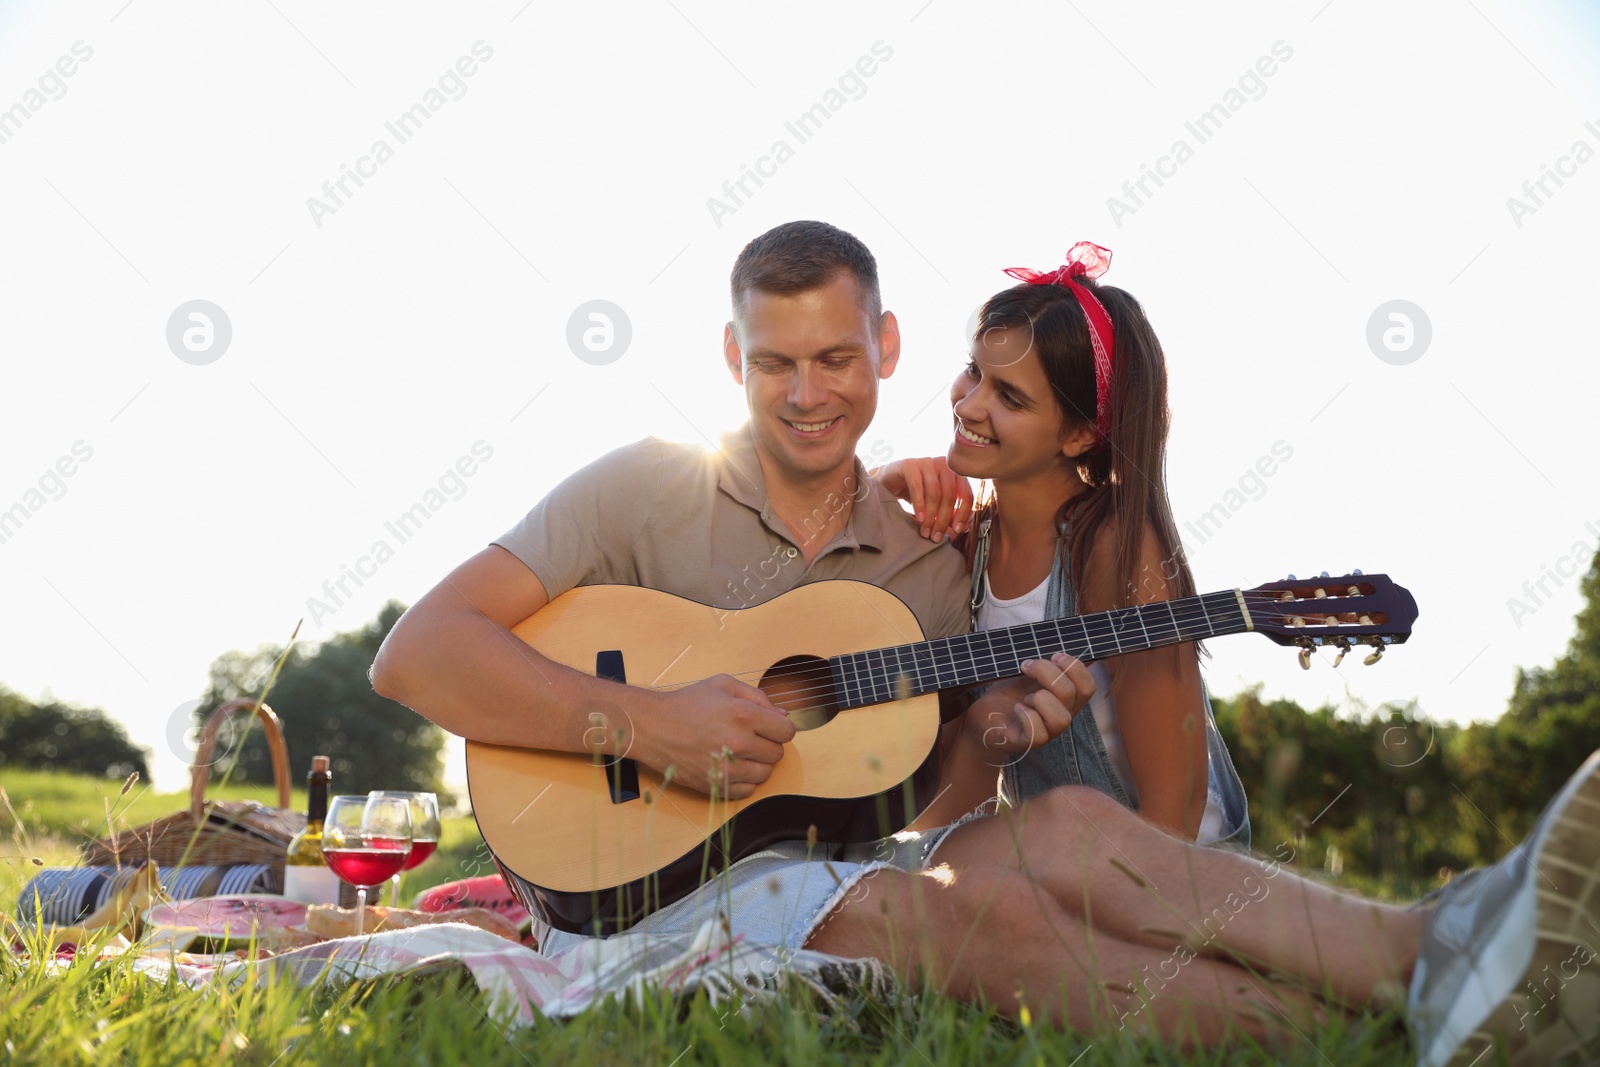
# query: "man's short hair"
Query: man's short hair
799,256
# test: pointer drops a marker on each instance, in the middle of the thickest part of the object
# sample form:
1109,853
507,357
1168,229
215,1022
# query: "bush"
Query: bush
63,737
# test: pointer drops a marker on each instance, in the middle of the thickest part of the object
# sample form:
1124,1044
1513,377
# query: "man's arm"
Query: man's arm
452,658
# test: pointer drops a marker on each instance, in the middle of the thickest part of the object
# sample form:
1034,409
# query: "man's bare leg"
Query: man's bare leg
990,932
1139,884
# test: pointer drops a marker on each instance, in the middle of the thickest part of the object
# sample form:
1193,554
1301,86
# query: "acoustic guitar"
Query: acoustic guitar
592,844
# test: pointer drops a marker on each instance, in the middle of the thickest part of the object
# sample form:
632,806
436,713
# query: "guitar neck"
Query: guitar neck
884,674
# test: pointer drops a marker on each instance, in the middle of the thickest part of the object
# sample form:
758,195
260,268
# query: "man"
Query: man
1071,905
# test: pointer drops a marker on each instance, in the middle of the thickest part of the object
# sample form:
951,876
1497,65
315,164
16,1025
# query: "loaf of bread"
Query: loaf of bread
287,938
330,920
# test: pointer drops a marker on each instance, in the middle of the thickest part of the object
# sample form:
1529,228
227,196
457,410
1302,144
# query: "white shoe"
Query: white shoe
1510,956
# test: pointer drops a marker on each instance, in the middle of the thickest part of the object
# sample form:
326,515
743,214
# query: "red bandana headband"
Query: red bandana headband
1088,259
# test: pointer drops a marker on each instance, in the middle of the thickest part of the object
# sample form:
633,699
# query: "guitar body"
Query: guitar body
592,845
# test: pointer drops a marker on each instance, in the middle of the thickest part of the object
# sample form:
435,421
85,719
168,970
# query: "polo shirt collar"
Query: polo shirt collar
739,475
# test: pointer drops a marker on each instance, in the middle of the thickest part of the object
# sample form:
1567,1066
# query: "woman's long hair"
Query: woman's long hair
1127,473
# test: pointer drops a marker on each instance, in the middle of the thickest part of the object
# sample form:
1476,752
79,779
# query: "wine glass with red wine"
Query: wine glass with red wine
424,830
366,841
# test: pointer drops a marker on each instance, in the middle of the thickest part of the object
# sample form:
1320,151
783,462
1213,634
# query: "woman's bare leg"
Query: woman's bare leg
991,933
1129,879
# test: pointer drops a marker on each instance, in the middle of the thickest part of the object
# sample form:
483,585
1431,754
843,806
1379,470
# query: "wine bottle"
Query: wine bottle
306,877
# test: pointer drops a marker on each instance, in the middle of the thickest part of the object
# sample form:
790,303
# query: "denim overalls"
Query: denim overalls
1078,755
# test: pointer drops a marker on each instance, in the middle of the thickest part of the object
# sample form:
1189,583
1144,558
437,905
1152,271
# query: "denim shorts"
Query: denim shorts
780,895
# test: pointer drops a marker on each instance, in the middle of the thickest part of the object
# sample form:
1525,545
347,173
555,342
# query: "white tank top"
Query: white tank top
995,613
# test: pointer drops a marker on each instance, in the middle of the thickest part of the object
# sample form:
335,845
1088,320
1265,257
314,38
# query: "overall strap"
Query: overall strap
1059,601
980,564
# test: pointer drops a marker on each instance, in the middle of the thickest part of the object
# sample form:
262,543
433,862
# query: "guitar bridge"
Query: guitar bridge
622,773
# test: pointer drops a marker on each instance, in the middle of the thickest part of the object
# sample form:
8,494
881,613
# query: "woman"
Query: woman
1062,409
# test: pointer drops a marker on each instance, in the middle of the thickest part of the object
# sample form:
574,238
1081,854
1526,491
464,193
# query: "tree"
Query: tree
327,705
1516,764
64,737
1374,783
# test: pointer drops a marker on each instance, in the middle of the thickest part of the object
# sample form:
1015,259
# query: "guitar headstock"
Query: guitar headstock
1342,612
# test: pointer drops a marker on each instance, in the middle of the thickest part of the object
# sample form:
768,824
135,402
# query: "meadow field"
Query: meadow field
107,1014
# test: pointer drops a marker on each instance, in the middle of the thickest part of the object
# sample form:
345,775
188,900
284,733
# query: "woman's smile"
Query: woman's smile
967,437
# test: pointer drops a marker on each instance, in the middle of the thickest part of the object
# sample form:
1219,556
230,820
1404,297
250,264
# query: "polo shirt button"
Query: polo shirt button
792,552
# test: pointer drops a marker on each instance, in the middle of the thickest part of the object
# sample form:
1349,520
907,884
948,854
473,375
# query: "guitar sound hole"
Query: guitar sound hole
803,687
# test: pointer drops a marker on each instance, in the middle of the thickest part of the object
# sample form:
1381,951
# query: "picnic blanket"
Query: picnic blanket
517,980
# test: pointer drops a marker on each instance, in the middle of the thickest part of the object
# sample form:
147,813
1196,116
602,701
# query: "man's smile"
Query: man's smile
812,429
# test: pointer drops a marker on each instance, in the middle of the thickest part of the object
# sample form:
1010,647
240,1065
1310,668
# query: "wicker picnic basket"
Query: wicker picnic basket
217,832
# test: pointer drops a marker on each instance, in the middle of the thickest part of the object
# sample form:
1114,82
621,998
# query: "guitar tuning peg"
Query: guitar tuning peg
1324,574
1340,657
1290,578
1319,593
1305,659
1357,571
1377,654
1353,590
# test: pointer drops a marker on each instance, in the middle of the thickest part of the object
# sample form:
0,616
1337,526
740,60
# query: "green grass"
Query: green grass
107,1014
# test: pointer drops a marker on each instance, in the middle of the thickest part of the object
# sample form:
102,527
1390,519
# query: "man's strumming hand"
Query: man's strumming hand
719,732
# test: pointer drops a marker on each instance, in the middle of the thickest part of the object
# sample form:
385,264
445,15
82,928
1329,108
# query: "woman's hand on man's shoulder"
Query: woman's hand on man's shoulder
940,498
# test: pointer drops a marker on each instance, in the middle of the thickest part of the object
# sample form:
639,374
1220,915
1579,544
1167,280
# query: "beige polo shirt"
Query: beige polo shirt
697,523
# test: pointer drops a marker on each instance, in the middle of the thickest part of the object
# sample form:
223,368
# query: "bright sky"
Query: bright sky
569,154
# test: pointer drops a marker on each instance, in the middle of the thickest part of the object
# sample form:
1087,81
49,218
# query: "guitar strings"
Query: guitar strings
819,679
822,675
1096,628
1101,627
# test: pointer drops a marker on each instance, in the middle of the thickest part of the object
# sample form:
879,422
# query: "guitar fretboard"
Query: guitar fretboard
877,676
